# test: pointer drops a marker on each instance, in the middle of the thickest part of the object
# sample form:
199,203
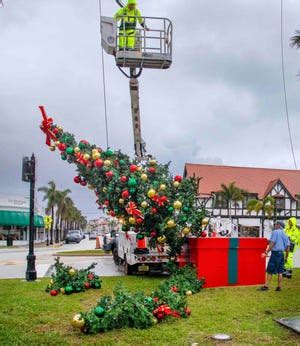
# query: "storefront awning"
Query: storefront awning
19,218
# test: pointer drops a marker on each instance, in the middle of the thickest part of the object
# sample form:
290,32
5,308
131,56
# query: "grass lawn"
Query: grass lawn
29,316
82,253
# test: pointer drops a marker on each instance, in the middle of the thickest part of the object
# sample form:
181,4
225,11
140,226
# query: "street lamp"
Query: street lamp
28,175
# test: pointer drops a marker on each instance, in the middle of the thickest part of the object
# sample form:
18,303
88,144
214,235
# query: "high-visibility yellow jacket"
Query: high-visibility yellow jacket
292,231
127,22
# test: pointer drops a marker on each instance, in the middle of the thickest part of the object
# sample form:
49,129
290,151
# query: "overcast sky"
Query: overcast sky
221,102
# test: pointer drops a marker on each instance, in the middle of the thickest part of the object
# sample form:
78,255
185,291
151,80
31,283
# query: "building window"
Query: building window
280,203
248,197
221,203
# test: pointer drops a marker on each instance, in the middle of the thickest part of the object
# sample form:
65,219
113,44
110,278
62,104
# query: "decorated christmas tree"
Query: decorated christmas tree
144,197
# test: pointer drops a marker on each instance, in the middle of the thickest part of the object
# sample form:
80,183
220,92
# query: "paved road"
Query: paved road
13,260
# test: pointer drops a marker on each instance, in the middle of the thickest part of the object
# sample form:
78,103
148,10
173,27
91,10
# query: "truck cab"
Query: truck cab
137,259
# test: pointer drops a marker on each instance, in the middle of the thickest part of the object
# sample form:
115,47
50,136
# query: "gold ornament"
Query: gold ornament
51,282
107,163
163,187
76,150
78,321
57,143
121,201
144,177
171,224
132,220
104,189
72,272
91,187
188,293
60,128
176,183
204,222
139,168
186,231
96,156
151,193
177,205
62,290
154,320
152,162
86,156
52,148
144,204
161,239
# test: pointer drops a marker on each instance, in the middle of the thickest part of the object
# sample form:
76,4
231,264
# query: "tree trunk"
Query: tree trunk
52,224
263,225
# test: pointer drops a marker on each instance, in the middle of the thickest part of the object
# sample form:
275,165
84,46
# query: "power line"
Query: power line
104,83
284,87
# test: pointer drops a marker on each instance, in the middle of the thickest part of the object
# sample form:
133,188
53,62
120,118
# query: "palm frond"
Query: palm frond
295,40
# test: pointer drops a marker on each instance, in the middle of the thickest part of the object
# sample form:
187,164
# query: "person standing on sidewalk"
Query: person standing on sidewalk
279,246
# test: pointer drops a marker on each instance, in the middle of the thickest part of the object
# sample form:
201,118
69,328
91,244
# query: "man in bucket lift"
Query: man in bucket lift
129,16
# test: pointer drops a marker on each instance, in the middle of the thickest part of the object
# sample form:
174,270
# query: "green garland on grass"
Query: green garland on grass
139,310
67,280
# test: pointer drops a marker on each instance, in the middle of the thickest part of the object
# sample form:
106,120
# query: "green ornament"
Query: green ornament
183,219
186,209
99,311
149,300
124,228
63,157
97,284
70,151
81,145
78,289
132,182
122,162
140,236
109,153
68,289
170,209
132,190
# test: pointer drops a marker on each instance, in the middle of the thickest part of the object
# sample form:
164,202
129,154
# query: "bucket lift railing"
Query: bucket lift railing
152,49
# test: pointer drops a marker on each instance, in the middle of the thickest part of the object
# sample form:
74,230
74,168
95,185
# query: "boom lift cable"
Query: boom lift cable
104,85
284,88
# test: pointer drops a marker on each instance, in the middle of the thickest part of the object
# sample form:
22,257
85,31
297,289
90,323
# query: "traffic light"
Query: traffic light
27,169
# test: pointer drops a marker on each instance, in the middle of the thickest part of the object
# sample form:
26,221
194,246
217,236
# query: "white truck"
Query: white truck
136,260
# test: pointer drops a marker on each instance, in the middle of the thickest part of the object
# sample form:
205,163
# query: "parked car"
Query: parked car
73,237
110,241
92,236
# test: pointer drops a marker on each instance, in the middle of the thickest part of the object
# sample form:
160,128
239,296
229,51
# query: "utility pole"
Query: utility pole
28,175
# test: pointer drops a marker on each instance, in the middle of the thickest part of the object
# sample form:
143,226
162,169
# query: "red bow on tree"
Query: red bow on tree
133,210
46,127
165,310
160,201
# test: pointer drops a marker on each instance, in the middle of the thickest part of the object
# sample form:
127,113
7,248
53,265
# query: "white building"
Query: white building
14,220
282,184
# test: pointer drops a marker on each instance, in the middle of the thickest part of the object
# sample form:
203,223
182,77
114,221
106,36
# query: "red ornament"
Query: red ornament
77,179
178,178
84,142
53,293
124,179
125,194
153,210
174,289
106,202
62,147
112,213
98,163
203,235
160,315
152,170
90,276
139,221
87,285
155,299
133,168
188,311
109,174
83,183
153,234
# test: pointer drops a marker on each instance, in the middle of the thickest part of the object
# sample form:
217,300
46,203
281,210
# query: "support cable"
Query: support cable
104,84
284,88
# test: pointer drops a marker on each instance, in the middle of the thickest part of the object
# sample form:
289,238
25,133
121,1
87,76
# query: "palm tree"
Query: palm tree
295,40
266,206
66,214
230,194
60,202
51,197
